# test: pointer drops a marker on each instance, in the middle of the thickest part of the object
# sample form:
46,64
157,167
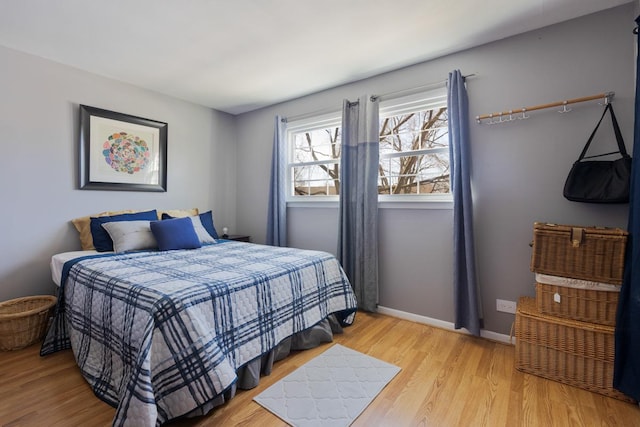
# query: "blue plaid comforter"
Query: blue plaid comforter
158,334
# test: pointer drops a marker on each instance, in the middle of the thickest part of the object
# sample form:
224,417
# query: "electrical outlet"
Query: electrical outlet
506,306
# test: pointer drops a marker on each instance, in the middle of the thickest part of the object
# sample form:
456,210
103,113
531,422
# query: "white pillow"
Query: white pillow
202,232
130,235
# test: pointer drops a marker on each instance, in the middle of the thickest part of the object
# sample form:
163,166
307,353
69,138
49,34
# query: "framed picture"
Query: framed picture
121,152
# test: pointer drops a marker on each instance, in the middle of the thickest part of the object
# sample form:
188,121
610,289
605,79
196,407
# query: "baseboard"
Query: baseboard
490,335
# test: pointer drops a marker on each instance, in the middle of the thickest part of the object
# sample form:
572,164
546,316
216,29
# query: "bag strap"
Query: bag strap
616,129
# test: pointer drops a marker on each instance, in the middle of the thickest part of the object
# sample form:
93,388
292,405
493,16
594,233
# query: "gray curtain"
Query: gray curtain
358,227
277,215
468,313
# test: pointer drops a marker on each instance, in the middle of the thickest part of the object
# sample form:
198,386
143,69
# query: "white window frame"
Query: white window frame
415,102
333,119
407,104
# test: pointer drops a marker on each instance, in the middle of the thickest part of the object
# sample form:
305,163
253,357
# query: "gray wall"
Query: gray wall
518,168
38,178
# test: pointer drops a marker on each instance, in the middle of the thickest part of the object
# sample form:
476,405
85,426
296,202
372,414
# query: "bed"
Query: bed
165,334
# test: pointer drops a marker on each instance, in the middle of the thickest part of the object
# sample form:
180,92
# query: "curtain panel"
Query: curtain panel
358,222
277,214
626,368
468,312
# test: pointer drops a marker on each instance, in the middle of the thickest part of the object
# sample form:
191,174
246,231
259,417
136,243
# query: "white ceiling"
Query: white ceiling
240,55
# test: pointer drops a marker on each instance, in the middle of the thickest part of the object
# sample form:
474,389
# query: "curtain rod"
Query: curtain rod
311,114
373,98
415,89
317,113
608,96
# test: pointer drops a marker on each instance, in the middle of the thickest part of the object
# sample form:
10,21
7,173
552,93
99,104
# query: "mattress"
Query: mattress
58,260
575,283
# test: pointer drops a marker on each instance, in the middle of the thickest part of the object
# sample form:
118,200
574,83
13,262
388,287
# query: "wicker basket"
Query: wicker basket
588,253
586,305
571,352
23,321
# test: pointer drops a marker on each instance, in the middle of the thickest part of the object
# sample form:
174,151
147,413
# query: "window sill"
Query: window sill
382,204
313,204
416,204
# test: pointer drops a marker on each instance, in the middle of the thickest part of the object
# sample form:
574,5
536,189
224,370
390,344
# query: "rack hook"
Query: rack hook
524,114
564,108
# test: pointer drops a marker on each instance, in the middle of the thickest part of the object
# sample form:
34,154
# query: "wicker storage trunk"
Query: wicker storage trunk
588,253
571,352
586,305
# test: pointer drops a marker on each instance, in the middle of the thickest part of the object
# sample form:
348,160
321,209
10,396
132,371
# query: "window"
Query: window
314,153
414,146
414,152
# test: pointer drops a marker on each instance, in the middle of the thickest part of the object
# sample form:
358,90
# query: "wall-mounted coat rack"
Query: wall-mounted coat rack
521,113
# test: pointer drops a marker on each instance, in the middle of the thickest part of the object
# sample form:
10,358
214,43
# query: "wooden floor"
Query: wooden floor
447,379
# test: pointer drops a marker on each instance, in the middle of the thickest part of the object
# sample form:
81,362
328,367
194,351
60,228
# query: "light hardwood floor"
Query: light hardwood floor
447,379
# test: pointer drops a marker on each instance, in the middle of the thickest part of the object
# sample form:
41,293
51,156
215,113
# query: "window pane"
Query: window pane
319,144
316,180
421,174
420,171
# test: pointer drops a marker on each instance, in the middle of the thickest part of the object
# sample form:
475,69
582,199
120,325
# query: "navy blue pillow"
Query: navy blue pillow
175,233
207,222
101,239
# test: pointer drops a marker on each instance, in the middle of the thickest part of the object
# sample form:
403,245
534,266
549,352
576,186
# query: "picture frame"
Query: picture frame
121,152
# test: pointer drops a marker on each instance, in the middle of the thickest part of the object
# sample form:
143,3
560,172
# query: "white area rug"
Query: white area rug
330,390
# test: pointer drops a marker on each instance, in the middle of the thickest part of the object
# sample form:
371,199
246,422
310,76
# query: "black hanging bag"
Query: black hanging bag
600,181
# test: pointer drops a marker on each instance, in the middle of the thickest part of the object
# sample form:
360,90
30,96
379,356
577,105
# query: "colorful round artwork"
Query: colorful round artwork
126,153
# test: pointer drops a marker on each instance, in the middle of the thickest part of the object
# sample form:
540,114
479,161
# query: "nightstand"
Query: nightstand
238,237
